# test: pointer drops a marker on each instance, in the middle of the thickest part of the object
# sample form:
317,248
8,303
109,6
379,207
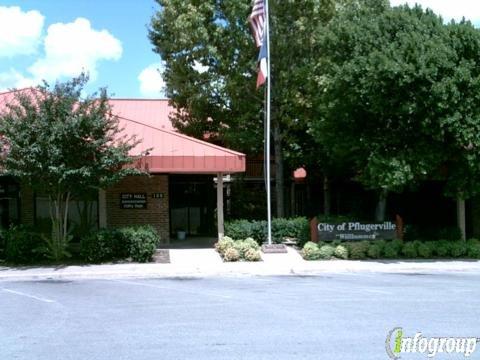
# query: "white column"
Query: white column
102,209
221,230
461,223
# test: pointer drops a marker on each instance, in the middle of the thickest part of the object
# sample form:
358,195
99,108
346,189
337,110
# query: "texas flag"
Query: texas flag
262,64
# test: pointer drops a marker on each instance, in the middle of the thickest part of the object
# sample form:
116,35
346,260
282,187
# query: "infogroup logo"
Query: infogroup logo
397,343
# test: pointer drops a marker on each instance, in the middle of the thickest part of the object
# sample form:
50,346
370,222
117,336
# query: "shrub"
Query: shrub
458,249
341,252
242,229
231,254
103,245
410,249
311,251
252,255
374,250
473,250
357,250
252,243
141,242
473,242
22,245
224,244
297,228
241,246
392,249
442,248
425,249
326,252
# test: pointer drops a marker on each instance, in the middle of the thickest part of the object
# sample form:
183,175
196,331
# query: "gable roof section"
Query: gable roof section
147,111
169,151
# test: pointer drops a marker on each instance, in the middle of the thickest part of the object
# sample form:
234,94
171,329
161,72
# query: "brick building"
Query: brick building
183,191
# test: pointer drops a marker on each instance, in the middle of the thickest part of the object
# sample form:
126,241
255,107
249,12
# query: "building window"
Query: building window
82,215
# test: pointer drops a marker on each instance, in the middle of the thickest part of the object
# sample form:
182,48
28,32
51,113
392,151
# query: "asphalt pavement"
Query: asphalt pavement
333,316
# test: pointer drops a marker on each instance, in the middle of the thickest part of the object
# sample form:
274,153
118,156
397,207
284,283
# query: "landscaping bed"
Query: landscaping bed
393,249
22,245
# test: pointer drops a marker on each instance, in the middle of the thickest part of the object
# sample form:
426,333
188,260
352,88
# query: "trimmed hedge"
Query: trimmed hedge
141,242
23,245
103,245
295,228
394,249
138,243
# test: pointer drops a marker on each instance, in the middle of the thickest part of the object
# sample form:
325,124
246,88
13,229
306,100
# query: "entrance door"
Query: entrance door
192,204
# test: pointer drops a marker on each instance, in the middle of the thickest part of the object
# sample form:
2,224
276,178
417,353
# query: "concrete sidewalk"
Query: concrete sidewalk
206,262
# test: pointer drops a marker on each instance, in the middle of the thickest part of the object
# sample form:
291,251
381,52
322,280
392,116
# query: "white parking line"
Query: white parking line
174,289
28,295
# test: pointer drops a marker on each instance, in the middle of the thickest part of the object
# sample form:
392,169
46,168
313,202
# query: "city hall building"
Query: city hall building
183,191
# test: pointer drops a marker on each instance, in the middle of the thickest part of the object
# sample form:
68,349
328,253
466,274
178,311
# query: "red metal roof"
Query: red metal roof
170,152
147,111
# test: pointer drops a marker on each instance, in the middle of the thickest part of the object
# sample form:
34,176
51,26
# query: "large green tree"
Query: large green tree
400,97
210,70
63,145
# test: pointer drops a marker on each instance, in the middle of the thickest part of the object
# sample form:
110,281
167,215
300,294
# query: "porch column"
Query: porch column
221,230
102,209
461,223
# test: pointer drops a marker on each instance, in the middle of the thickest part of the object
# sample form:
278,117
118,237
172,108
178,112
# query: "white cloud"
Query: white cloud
69,49
448,9
151,81
20,32
74,47
13,79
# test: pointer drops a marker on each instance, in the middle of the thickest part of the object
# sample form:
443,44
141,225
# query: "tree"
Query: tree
63,145
400,98
210,70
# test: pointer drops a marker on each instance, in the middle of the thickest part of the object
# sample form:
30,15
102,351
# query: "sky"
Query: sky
55,40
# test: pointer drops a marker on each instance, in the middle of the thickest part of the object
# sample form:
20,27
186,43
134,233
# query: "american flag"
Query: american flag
257,21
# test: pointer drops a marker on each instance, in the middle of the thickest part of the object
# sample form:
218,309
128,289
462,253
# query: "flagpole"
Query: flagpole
269,193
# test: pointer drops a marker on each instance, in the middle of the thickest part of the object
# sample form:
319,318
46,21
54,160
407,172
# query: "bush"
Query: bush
252,255
241,246
231,254
473,242
458,249
425,249
410,249
297,228
141,242
251,243
103,245
22,245
392,249
473,250
326,252
358,250
311,251
374,250
442,248
224,244
242,229
341,252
